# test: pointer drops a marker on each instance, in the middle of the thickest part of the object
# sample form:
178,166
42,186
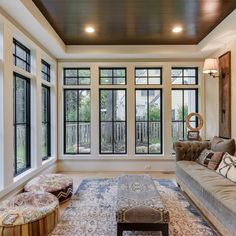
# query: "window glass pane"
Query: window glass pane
21,55
45,140
84,105
148,75
77,121
189,102
141,105
177,105
148,132
184,75
71,105
45,71
119,137
84,137
20,100
154,137
112,121
112,75
119,105
106,105
177,131
77,76
71,141
141,137
106,138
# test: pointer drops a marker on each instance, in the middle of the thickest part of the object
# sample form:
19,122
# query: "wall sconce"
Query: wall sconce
211,67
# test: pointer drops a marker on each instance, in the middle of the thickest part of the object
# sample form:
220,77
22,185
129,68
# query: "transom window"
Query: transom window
148,121
21,55
184,75
77,76
77,137
113,126
46,71
148,75
21,114
46,123
112,75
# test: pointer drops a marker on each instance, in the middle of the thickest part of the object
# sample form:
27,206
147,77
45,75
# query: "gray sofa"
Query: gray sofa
213,194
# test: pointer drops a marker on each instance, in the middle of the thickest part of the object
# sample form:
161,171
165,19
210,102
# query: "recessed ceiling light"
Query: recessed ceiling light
89,29
177,29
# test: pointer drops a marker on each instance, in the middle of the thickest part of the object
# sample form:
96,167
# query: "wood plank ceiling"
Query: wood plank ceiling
134,22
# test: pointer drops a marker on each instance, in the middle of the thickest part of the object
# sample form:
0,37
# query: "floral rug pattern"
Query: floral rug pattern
92,212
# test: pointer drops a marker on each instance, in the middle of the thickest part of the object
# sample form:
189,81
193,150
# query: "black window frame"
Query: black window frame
27,62
112,121
48,122
77,122
196,110
48,73
161,121
113,77
77,77
27,124
183,76
148,77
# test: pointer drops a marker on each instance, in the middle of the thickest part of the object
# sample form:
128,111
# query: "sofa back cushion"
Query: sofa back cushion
227,167
215,160
223,145
205,157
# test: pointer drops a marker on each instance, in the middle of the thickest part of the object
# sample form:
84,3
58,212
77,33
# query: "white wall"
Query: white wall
212,95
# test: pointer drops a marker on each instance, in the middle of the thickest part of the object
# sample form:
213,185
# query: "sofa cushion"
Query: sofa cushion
205,157
227,167
214,191
223,145
215,160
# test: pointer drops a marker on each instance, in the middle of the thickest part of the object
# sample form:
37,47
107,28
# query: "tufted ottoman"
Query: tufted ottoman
57,184
29,214
139,205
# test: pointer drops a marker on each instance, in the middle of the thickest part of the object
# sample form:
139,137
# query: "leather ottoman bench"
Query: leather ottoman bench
139,206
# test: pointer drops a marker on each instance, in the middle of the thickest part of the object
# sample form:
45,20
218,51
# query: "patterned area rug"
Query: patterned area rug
92,211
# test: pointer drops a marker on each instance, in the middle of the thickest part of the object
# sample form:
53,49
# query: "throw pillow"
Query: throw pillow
227,167
223,145
205,157
215,160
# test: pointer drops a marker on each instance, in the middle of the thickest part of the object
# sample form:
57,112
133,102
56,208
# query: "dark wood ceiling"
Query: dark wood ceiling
134,22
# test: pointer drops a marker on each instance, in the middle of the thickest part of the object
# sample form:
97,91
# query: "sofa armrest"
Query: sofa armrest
189,150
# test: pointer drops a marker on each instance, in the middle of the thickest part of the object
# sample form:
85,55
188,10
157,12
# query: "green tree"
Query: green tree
154,113
182,110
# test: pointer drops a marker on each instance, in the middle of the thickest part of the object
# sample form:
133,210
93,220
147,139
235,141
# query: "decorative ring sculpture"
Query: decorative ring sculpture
200,121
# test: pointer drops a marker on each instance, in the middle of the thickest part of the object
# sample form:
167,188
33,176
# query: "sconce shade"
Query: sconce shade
210,66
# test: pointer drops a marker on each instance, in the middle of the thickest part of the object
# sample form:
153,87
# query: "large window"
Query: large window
184,101
21,55
46,123
21,123
148,121
46,71
77,138
148,75
113,121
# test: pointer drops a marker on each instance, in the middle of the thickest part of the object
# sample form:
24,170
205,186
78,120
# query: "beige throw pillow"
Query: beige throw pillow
227,167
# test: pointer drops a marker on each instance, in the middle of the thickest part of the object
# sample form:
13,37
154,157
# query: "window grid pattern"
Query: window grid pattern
148,75
21,111
184,111
116,127
185,75
77,76
76,122
46,71
21,55
112,76
139,133
46,122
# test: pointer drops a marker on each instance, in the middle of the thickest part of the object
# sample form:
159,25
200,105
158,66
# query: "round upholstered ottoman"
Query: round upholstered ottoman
57,184
29,214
